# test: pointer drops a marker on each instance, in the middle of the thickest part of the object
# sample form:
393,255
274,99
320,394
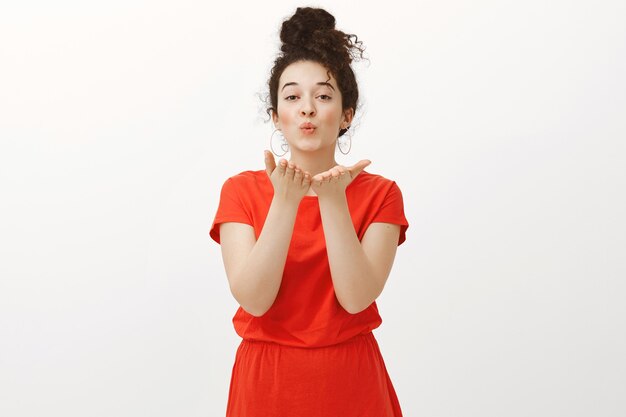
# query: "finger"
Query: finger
358,167
282,166
290,169
318,179
307,178
270,163
298,176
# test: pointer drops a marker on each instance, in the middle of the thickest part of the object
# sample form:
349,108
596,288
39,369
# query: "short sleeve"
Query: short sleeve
229,209
392,211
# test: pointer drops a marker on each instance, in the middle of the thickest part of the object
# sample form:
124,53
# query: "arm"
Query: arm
254,268
359,270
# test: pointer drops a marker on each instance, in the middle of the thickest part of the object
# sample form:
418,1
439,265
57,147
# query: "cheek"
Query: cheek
329,115
285,116
333,118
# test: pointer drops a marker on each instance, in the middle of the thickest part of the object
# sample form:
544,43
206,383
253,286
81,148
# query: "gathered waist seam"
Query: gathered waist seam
353,339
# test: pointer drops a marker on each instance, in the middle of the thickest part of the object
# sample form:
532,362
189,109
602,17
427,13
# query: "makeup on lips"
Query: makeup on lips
307,128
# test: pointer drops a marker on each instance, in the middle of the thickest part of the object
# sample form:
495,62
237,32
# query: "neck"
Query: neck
314,162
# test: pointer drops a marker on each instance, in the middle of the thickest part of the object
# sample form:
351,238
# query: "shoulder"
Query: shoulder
249,181
372,183
248,178
372,178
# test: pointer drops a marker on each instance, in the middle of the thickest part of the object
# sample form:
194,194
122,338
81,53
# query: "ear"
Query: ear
275,120
347,117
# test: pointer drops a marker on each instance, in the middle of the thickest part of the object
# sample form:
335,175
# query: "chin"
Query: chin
308,148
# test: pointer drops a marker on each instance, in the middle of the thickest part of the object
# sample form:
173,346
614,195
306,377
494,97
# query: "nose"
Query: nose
307,107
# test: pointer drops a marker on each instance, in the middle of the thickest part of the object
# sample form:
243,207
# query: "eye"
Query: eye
288,98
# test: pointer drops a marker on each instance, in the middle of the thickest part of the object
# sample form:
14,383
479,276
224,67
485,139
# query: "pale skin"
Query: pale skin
359,269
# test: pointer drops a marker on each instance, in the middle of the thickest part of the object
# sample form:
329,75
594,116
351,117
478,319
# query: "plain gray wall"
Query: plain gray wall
502,122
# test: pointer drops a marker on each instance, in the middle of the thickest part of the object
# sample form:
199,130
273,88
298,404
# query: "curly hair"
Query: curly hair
310,35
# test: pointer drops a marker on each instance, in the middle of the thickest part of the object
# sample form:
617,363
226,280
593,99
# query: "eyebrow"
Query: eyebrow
320,83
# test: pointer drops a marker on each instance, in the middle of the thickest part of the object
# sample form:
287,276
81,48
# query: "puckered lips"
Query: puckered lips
307,127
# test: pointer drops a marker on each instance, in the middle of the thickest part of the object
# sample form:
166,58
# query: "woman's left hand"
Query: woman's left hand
335,180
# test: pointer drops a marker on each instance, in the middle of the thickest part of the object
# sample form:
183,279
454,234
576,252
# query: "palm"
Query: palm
337,178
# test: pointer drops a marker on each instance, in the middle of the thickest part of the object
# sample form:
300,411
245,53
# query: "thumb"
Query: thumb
358,167
270,163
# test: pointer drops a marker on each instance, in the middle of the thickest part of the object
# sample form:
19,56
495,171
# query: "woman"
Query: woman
308,245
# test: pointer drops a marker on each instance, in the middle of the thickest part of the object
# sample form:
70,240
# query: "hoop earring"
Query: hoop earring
284,145
349,140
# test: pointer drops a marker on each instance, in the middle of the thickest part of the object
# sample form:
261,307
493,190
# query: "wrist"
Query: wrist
286,203
336,198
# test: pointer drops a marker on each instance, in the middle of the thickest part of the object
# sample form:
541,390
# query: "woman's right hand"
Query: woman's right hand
288,180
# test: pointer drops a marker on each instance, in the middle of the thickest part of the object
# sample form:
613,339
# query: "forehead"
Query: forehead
307,74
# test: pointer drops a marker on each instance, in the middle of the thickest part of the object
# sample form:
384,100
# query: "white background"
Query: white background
503,123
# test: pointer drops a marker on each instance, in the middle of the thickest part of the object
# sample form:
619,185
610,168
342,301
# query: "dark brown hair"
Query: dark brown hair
310,35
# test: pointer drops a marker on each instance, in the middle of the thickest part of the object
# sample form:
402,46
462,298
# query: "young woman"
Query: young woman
308,245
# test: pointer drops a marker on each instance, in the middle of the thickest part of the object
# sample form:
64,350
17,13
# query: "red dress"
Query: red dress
307,356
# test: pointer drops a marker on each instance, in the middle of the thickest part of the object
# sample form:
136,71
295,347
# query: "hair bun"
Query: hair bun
299,29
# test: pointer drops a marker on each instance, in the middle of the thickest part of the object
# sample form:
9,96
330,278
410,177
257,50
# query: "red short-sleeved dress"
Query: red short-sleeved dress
307,356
